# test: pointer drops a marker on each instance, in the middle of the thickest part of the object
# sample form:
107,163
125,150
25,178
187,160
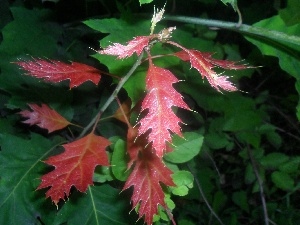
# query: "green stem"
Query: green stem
245,29
113,95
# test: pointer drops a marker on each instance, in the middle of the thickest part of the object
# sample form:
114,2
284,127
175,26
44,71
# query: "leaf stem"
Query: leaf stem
113,95
243,28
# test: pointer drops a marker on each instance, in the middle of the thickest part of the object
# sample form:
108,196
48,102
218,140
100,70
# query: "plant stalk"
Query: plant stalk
113,95
243,28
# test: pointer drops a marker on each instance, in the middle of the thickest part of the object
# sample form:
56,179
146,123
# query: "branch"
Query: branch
113,95
203,196
260,184
245,29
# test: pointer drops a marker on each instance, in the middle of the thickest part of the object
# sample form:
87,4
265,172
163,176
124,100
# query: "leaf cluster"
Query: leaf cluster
237,162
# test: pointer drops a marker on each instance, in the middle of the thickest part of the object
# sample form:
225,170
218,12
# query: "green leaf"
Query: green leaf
233,3
119,161
291,166
135,86
18,36
242,121
20,169
119,31
288,54
240,198
185,149
283,181
291,14
219,201
145,1
184,181
273,160
101,205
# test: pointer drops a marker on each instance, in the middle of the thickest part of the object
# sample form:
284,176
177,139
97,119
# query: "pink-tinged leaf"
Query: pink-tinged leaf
122,51
56,71
44,117
75,166
160,119
149,171
205,64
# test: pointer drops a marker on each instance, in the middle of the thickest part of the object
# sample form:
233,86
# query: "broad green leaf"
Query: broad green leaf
20,169
291,14
31,32
273,160
240,198
135,86
121,32
185,148
119,161
288,54
101,205
184,181
283,180
243,121
290,166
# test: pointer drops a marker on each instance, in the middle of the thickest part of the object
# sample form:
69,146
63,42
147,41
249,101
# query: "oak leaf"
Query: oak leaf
204,63
146,178
136,45
160,119
44,117
56,71
75,166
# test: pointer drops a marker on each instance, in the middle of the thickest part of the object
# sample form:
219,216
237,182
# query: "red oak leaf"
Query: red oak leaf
56,71
204,63
159,100
122,51
149,171
75,166
44,117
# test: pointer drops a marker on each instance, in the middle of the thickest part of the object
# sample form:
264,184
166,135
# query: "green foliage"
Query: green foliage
228,139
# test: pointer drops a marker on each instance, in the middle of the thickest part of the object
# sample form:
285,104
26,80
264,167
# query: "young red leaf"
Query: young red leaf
75,166
56,71
159,100
122,51
149,171
205,64
44,117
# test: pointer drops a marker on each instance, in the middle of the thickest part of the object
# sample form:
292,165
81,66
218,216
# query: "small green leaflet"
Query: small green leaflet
233,3
20,169
184,181
145,1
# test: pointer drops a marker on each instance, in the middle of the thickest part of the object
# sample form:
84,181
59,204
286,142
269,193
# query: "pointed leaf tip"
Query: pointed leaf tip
160,119
75,166
136,45
149,171
56,71
44,117
204,63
